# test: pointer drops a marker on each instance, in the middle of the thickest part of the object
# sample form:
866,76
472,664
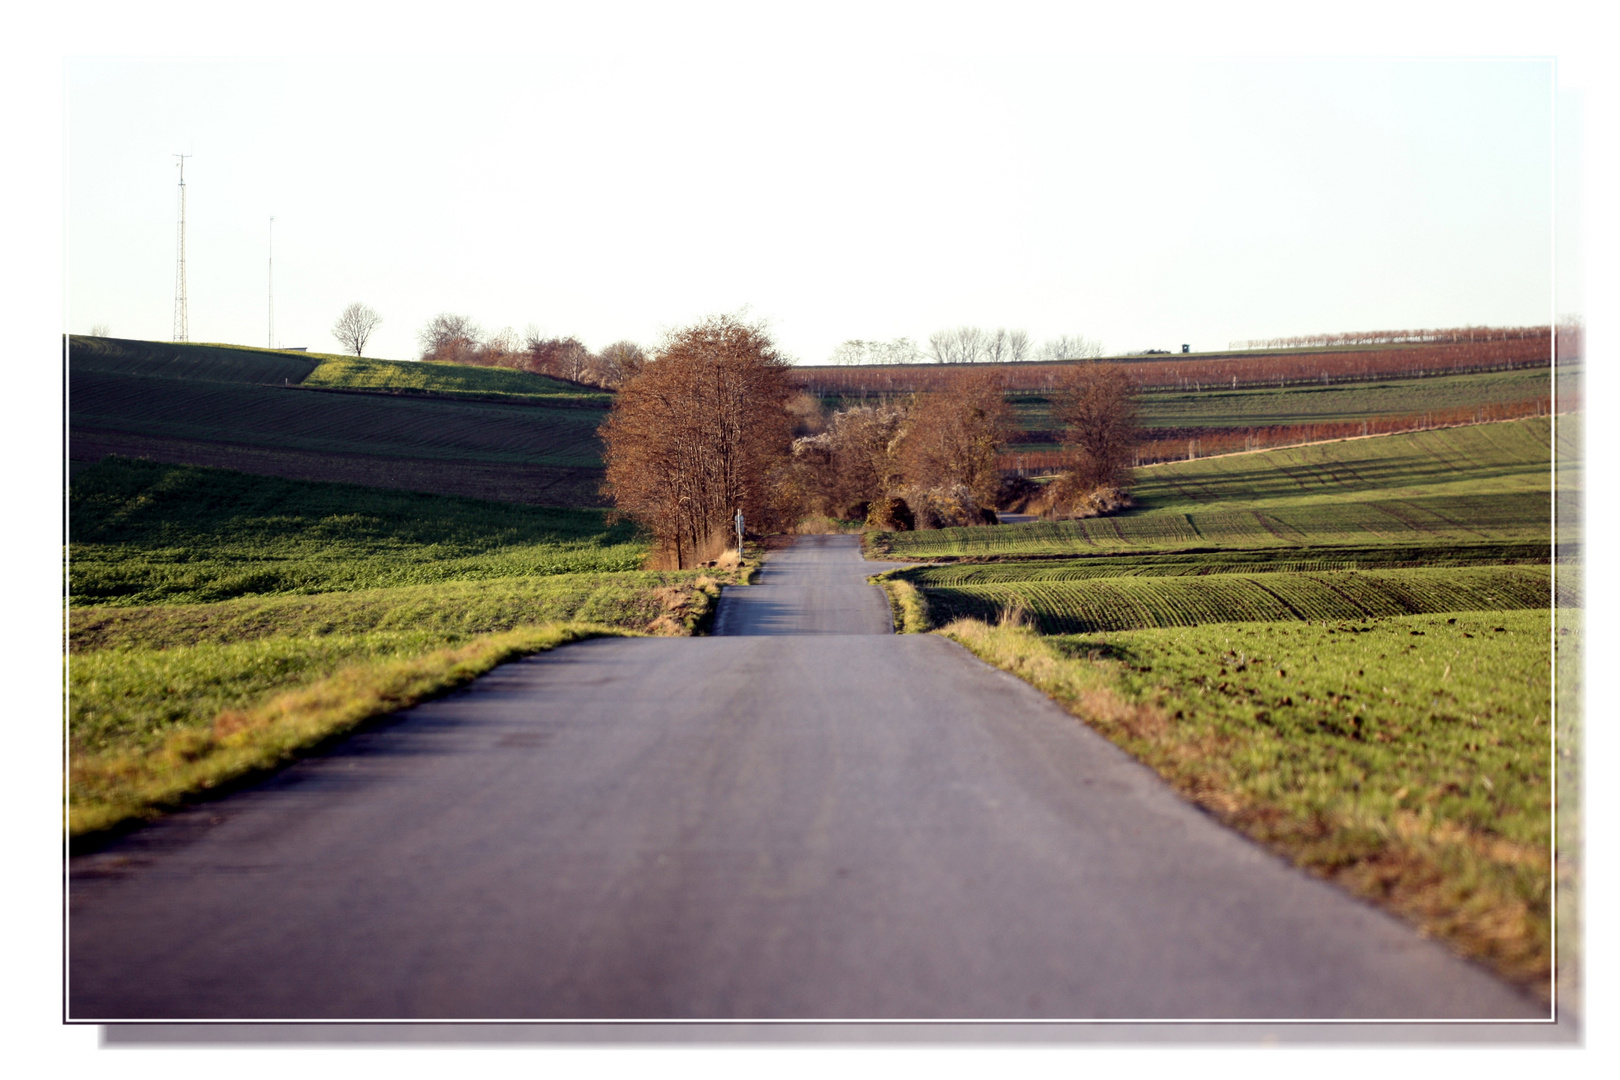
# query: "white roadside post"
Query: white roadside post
739,533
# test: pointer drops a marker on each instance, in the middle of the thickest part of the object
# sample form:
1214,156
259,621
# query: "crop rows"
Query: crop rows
182,360
1263,560
333,423
1126,603
1192,372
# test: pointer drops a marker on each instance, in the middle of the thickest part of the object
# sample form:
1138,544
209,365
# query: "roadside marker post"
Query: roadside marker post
739,533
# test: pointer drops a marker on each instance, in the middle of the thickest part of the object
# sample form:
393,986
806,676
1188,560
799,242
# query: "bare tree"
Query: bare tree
995,346
1018,345
354,327
100,330
453,338
620,362
901,350
562,358
698,435
963,345
1069,347
1097,404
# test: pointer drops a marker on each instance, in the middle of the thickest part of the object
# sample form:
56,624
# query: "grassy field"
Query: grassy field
1344,650
1129,603
142,532
224,407
222,623
1215,407
1489,482
454,381
1409,763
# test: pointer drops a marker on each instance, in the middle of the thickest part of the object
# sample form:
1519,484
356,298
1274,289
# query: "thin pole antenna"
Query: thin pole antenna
270,342
181,330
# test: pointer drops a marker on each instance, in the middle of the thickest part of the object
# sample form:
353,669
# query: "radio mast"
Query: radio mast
180,330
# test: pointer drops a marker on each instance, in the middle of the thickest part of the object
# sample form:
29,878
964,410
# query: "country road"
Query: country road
802,816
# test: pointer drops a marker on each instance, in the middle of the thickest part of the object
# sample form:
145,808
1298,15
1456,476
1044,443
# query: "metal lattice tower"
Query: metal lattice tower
181,332
270,277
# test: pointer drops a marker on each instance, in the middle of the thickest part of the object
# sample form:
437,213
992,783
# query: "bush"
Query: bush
892,514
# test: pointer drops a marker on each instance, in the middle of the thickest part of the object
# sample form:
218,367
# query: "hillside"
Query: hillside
254,411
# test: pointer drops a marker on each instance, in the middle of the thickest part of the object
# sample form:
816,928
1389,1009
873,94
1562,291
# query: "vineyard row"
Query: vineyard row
1188,373
1214,443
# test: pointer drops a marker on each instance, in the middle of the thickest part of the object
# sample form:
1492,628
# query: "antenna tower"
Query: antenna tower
181,332
270,343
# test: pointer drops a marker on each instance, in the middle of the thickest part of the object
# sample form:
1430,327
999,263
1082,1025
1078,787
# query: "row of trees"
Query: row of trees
705,429
965,345
457,339
1453,336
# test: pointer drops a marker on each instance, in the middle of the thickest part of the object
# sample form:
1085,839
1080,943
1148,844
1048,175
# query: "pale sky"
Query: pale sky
1142,203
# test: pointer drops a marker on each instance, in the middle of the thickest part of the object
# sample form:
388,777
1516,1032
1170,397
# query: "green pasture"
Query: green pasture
1487,482
1419,710
143,532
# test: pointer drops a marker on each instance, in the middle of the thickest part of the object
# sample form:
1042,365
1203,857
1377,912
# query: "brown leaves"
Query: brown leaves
693,438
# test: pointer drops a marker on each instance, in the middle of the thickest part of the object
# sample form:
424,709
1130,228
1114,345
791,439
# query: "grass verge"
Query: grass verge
121,786
1409,768
907,604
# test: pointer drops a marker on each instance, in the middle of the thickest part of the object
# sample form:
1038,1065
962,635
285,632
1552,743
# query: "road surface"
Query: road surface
804,816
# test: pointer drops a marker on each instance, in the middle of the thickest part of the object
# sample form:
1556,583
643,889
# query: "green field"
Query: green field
454,381
1236,561
1489,482
1344,650
1136,602
142,532
221,623
1214,407
184,360
1409,762
225,408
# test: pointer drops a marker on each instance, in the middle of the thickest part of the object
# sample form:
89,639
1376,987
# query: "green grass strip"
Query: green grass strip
1408,761
123,786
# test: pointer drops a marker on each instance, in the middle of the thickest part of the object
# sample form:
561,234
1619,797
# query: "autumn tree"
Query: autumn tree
1097,406
561,357
846,468
620,362
355,326
947,452
450,338
697,434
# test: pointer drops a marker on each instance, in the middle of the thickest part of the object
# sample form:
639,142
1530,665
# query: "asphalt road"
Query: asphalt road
803,816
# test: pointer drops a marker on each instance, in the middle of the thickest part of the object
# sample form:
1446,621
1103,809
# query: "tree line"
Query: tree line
965,345
457,339
712,424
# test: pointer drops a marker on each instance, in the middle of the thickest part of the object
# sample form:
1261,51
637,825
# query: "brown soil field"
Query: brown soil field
536,485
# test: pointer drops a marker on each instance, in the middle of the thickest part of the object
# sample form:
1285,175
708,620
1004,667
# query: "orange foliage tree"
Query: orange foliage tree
695,435
947,452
